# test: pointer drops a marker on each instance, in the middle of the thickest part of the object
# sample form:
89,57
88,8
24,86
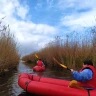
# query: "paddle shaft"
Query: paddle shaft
61,64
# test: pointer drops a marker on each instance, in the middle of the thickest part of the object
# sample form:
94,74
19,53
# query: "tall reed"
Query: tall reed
9,52
71,51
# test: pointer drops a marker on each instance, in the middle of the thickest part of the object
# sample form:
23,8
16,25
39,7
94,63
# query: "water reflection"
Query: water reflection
9,85
8,82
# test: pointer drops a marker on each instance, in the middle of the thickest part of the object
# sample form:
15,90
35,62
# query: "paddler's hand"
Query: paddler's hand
71,70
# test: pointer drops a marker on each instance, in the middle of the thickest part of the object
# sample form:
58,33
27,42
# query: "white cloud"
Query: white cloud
22,11
27,33
33,36
27,30
76,21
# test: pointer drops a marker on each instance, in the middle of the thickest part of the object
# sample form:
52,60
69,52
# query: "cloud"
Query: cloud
77,21
85,19
33,32
34,43
29,34
22,11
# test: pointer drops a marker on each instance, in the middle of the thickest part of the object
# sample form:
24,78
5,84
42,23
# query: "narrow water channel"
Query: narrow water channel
9,82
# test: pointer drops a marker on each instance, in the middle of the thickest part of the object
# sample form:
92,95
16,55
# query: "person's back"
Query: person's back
86,78
40,63
90,80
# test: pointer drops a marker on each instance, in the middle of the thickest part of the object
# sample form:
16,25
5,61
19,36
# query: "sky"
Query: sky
37,22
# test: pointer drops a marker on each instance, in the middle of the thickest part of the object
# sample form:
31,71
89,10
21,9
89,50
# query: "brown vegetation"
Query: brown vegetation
9,57
71,51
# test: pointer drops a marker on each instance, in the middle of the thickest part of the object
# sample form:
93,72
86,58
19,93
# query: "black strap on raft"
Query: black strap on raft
28,76
27,83
88,90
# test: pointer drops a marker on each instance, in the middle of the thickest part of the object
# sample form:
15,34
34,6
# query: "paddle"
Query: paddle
36,56
61,64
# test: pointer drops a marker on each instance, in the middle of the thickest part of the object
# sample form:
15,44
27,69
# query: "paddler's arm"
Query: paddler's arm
83,76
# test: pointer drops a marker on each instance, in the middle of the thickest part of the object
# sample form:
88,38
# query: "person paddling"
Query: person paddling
40,62
85,78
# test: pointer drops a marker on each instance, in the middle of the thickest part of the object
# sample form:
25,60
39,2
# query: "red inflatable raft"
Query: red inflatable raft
39,68
49,86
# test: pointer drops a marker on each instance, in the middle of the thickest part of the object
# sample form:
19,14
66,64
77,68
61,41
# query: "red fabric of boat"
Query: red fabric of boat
39,68
50,80
49,86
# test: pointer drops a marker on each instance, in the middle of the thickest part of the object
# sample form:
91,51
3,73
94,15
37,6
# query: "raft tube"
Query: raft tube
39,68
49,86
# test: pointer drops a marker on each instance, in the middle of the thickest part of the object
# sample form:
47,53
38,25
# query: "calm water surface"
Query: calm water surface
9,85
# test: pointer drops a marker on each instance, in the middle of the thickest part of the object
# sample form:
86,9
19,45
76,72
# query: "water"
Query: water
9,85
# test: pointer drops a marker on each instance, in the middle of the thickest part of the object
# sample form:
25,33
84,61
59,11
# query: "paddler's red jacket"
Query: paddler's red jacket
90,83
39,63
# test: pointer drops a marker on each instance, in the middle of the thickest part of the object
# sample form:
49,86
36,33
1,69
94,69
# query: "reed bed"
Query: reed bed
9,57
71,51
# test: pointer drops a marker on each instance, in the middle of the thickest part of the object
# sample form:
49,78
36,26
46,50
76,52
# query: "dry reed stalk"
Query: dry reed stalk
9,56
72,51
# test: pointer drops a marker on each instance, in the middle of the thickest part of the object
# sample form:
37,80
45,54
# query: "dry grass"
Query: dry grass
9,57
71,51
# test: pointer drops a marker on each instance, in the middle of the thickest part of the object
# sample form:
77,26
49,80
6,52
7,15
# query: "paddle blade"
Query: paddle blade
36,55
63,66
